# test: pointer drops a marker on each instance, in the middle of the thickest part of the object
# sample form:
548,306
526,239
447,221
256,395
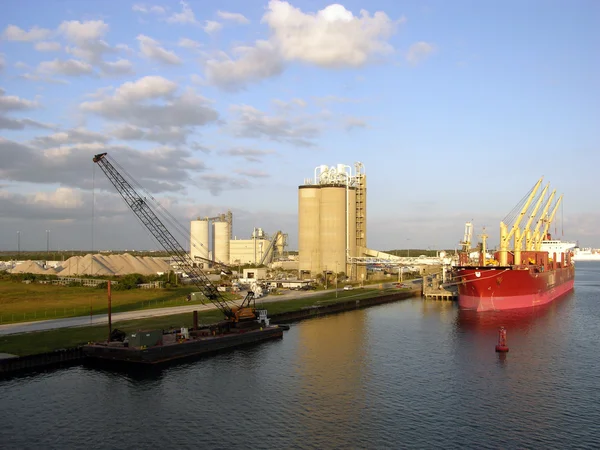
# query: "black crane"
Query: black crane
246,311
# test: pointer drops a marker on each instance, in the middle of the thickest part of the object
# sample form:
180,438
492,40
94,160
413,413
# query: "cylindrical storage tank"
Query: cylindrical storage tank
221,242
199,240
333,228
279,244
351,225
309,252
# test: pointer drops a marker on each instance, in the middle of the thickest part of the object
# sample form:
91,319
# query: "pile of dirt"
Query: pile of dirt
32,267
112,265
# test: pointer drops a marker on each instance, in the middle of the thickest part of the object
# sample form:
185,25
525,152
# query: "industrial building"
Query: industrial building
332,221
211,241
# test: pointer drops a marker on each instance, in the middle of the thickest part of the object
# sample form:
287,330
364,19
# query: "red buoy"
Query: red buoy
501,346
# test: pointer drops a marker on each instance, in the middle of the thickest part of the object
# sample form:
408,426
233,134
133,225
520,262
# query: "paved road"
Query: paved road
82,321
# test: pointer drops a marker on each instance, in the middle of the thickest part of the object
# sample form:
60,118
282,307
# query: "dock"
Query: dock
434,288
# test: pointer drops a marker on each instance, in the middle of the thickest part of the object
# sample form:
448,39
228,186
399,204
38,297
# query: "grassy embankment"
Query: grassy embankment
21,302
44,341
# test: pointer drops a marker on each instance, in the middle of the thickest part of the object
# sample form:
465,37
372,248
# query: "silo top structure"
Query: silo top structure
331,219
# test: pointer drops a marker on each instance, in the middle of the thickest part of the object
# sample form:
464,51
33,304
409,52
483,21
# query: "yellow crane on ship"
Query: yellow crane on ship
538,242
526,231
505,235
533,237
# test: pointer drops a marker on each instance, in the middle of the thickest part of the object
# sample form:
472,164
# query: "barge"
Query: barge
153,347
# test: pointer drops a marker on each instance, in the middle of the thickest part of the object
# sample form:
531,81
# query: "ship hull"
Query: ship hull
505,288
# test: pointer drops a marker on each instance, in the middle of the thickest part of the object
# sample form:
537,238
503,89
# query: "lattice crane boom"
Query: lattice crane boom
153,224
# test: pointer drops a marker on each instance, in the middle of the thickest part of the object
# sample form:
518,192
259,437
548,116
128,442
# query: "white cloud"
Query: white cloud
152,49
166,135
119,67
252,123
185,16
70,67
235,17
124,48
14,33
217,183
8,123
252,173
212,27
89,46
189,43
47,46
354,122
197,79
333,37
42,78
130,104
20,65
419,51
164,168
295,102
249,154
252,64
75,135
155,9
63,197
78,32
91,51
14,103
144,89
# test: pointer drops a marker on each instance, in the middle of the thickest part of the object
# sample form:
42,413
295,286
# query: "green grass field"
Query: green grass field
44,341
21,302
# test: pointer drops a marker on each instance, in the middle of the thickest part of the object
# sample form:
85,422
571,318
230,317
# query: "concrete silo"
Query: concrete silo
332,220
221,248
309,229
199,241
333,235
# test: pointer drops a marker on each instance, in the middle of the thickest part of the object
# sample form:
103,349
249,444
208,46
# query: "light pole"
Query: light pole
336,279
19,244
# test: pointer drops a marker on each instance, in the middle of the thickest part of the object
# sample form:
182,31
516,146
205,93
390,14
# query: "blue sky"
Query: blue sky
454,108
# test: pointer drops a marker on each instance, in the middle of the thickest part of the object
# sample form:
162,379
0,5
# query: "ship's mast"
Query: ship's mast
483,237
505,235
531,241
526,232
538,243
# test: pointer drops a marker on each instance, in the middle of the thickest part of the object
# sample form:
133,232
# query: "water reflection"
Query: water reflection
332,366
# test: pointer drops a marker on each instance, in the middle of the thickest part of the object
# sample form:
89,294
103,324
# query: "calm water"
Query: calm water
410,374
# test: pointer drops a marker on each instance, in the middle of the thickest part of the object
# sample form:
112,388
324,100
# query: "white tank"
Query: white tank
222,242
199,240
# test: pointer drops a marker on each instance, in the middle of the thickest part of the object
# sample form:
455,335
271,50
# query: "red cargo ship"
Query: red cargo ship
517,278
495,288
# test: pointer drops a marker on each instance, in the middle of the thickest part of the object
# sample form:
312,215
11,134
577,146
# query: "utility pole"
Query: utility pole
19,244
47,243
336,279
